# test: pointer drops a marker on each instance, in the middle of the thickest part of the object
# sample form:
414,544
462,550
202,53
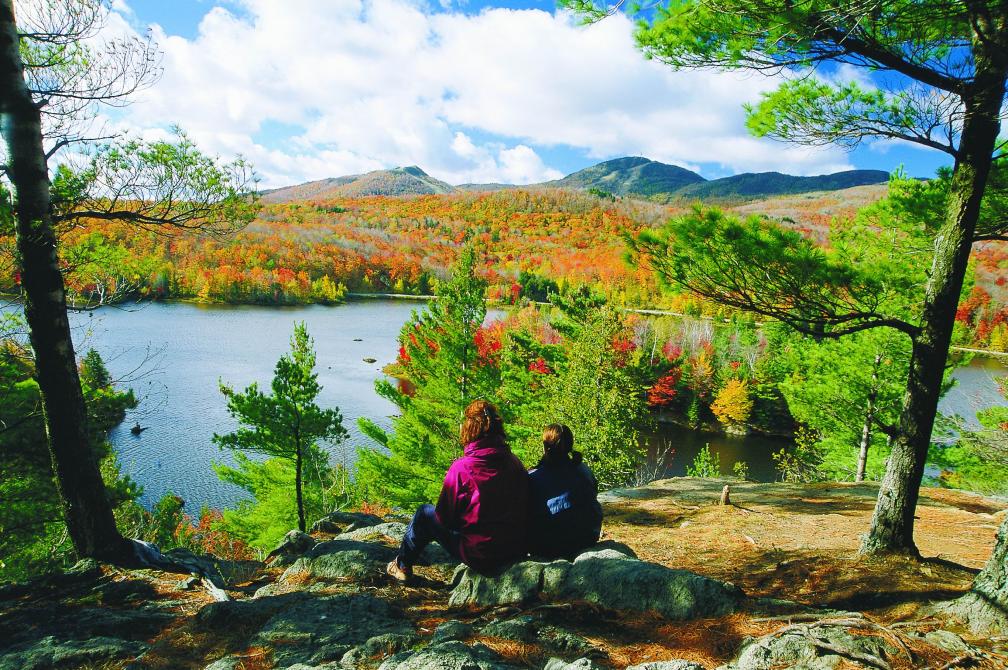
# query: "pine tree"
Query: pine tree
287,423
849,392
439,359
599,396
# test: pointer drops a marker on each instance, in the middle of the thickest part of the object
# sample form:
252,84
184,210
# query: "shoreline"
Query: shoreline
13,299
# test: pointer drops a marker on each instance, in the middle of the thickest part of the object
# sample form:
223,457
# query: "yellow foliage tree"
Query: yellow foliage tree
733,404
999,338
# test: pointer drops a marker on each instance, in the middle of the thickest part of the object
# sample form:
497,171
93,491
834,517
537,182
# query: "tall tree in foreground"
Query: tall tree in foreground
33,535
52,78
984,608
939,69
287,423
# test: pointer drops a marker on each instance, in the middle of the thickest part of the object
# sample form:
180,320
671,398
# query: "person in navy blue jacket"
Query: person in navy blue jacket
565,517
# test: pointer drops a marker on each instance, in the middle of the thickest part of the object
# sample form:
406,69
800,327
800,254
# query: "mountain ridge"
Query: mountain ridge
629,176
762,184
409,180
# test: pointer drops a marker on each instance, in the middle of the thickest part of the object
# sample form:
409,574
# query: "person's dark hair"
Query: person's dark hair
558,445
481,420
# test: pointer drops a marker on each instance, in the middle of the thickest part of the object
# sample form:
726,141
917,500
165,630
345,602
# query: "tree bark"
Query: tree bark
862,461
984,608
86,507
892,523
298,464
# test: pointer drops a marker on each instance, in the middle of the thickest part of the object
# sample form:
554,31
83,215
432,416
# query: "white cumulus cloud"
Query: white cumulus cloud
309,90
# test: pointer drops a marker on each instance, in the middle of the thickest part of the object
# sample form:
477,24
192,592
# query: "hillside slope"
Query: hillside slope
397,181
767,184
630,176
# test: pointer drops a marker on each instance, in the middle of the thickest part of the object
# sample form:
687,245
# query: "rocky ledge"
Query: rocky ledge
323,601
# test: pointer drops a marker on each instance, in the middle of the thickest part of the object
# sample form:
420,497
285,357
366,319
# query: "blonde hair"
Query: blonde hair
557,438
558,445
481,420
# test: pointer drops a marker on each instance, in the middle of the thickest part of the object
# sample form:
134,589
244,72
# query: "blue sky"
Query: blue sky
471,91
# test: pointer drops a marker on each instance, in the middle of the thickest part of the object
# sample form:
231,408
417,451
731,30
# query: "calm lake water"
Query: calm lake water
173,354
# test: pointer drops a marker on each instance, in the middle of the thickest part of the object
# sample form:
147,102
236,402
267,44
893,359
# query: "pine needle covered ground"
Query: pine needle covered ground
778,542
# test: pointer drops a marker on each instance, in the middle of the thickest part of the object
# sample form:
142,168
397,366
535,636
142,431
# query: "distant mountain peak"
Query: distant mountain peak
413,170
625,162
630,175
409,180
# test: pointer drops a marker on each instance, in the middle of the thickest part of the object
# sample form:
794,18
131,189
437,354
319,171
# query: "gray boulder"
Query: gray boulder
518,629
948,641
391,531
50,651
520,583
580,664
616,582
435,554
226,663
340,561
606,578
294,544
244,613
675,664
452,630
390,534
448,656
322,630
563,641
307,629
378,648
618,547
798,648
40,634
529,629
343,522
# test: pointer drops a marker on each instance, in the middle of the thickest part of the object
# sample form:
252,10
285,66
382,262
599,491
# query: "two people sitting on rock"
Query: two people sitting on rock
491,512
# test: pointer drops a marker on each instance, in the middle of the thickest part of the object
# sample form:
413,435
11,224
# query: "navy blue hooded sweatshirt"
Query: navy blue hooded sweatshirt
565,517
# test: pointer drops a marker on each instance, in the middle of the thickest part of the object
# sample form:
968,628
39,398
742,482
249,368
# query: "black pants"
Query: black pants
423,529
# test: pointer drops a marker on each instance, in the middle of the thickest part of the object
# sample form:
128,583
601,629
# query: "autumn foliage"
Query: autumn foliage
732,405
532,242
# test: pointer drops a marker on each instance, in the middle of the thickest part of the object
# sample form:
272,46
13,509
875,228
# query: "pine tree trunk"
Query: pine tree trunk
985,607
862,462
298,464
892,524
86,507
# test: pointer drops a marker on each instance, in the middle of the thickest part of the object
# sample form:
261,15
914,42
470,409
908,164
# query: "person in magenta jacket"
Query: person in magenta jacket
481,514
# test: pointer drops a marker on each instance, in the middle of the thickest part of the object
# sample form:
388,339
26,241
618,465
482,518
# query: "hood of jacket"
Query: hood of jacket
487,448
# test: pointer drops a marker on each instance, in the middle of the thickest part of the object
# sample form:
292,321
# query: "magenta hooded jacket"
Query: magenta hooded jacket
484,498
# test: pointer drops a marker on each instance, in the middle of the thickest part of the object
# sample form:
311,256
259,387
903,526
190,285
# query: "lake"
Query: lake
173,355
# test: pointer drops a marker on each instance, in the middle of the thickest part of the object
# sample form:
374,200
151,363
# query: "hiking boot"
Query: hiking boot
402,575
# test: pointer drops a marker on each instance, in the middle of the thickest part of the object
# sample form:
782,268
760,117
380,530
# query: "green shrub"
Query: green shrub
706,464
